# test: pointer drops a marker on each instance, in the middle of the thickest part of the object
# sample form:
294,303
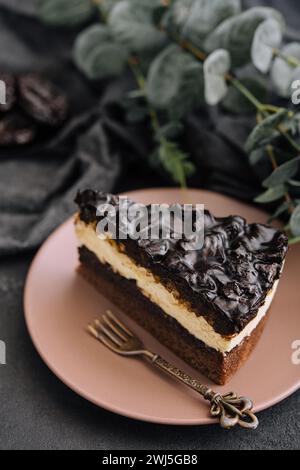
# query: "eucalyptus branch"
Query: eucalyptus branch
171,157
140,79
260,107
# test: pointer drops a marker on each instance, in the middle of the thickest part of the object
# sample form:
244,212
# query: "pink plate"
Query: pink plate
59,305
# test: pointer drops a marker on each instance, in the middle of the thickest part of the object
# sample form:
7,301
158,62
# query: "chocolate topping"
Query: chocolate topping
226,280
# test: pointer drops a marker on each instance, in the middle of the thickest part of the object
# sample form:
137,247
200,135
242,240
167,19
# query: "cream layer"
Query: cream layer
120,263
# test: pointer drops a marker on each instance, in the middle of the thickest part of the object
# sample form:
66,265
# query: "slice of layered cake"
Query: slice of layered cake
208,305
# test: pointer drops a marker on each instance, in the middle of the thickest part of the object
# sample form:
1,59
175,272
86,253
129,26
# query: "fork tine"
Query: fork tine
108,332
94,332
113,326
104,340
119,323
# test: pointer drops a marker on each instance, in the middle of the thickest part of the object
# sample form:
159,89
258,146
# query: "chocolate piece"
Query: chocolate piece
10,89
16,129
43,101
226,281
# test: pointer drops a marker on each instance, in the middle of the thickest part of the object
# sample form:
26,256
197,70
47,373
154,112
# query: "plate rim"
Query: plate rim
107,406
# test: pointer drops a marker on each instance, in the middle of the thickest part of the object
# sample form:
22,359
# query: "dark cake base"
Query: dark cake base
168,331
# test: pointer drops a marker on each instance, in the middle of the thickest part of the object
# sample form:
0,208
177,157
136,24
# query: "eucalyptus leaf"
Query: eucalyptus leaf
272,194
106,6
97,55
257,155
282,173
280,210
195,19
282,72
295,221
132,25
265,131
65,12
267,37
236,33
236,103
294,183
170,131
136,94
175,81
136,114
216,66
175,161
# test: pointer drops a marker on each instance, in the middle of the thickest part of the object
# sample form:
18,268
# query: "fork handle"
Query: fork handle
229,408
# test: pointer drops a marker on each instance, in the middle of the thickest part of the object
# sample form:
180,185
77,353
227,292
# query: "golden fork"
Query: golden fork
229,408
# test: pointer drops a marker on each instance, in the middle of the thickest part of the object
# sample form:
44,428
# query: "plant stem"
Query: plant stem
271,109
289,138
247,94
133,63
189,47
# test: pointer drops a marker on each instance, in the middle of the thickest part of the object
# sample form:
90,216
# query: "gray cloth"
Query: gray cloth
98,149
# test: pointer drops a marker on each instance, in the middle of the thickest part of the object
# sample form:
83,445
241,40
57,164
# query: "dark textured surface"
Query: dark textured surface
37,190
227,280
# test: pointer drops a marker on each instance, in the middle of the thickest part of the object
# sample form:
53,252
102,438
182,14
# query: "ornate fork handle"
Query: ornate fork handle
230,409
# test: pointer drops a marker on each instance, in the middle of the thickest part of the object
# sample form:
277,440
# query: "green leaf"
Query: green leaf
136,94
175,81
132,25
216,66
236,33
236,103
267,37
175,162
295,221
280,210
97,55
106,6
282,72
170,130
195,19
137,114
272,194
257,155
282,173
65,12
265,131
294,183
